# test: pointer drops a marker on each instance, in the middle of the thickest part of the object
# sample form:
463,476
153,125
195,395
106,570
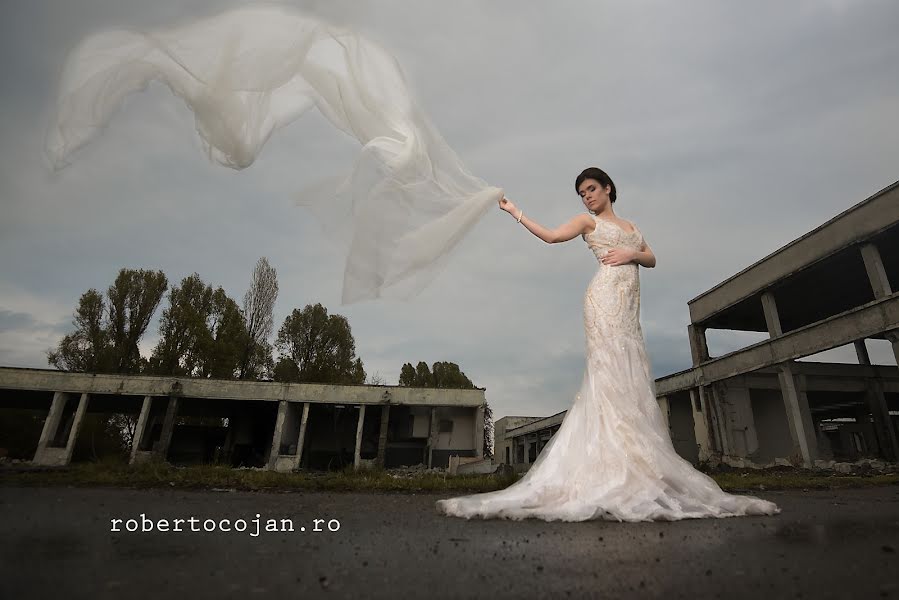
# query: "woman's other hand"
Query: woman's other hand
618,256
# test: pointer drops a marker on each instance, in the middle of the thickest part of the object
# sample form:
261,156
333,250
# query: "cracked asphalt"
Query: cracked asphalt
59,541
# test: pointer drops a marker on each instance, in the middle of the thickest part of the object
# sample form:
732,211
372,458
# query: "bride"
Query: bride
612,457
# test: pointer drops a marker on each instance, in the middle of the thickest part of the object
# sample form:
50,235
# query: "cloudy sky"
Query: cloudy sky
729,128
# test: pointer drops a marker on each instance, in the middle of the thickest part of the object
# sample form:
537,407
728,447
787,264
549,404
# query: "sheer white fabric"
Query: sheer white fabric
612,456
245,73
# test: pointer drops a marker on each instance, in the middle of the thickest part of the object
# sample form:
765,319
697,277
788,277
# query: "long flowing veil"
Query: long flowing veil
403,206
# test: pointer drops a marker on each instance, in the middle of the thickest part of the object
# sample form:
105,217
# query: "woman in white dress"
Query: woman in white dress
612,456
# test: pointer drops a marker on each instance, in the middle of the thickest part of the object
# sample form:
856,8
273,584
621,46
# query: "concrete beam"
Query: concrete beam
865,321
50,380
824,376
860,222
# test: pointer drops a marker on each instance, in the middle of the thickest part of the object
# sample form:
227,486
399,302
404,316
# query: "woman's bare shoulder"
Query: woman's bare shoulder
587,223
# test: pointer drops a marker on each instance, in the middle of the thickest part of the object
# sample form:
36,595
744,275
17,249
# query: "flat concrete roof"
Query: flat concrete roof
536,425
818,274
50,380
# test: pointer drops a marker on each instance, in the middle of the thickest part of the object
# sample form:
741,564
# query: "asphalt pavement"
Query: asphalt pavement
64,542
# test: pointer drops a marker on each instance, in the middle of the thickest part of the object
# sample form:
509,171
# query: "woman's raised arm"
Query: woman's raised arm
579,225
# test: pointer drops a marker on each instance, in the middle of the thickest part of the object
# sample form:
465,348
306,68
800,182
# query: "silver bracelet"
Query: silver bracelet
521,214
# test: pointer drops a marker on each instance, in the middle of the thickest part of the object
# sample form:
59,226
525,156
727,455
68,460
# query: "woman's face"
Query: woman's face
594,196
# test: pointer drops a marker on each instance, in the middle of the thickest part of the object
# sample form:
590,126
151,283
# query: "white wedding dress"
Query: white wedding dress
612,456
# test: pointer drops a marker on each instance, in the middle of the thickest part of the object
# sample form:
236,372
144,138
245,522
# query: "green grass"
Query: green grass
799,479
155,475
117,473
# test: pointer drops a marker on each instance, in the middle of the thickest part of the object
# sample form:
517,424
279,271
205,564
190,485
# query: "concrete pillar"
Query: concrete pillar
303,420
883,425
861,350
772,318
699,348
713,401
799,417
665,408
743,436
52,455
277,434
893,337
76,425
382,435
478,436
880,285
51,423
877,275
139,432
432,436
168,427
357,454
700,426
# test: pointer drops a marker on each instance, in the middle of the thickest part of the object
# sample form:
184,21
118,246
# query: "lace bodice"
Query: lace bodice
608,235
612,300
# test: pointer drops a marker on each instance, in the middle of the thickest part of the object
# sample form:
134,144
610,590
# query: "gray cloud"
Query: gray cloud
730,129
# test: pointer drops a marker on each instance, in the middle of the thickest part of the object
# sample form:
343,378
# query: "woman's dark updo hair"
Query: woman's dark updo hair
600,176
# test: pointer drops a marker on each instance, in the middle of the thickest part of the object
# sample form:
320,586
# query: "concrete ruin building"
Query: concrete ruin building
278,426
837,285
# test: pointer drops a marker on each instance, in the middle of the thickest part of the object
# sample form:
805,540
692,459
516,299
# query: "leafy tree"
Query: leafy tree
258,306
202,333
107,331
407,375
226,338
317,347
423,377
180,328
86,349
448,375
133,299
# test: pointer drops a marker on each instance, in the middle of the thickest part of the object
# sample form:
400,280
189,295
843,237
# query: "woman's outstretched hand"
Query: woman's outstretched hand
507,206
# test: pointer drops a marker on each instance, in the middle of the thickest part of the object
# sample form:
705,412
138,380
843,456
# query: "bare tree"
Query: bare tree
258,306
